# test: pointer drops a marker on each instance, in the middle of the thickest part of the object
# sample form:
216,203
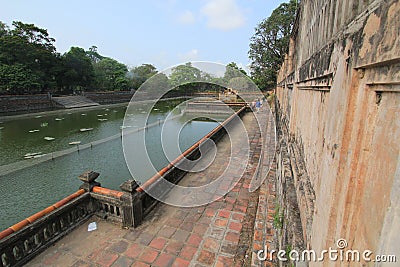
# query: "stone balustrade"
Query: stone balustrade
26,239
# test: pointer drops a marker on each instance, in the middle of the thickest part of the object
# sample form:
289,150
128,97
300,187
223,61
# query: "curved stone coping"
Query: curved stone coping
186,152
18,226
107,192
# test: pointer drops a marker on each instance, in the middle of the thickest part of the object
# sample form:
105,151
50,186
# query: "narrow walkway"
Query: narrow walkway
218,234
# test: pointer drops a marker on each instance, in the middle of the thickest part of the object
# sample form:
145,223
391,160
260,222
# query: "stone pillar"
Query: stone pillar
132,204
88,178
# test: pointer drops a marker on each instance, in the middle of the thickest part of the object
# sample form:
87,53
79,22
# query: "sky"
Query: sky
160,32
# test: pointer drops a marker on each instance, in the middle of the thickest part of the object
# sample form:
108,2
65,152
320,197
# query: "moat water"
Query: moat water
33,188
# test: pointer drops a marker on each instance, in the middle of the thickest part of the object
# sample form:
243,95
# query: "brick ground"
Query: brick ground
218,234
264,232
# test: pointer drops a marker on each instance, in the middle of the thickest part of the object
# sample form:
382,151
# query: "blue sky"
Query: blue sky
160,32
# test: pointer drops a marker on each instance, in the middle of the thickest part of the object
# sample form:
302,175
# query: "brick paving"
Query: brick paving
217,234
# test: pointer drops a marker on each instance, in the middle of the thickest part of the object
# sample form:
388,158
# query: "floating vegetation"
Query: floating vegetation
32,154
49,138
74,143
125,126
39,156
33,131
85,129
44,124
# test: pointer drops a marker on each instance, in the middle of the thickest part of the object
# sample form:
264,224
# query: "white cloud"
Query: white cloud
186,18
192,55
223,14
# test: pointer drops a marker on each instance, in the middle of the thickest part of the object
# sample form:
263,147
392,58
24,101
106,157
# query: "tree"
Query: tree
32,50
141,73
270,43
243,84
4,30
110,75
94,55
184,74
79,72
18,79
33,35
233,71
153,86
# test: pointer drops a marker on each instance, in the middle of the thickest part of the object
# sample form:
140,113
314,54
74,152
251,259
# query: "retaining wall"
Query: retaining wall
24,103
338,107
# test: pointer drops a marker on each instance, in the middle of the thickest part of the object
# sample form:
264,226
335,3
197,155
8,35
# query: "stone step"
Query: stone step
73,101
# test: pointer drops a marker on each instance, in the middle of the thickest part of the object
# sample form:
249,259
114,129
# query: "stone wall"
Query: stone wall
24,103
338,107
110,97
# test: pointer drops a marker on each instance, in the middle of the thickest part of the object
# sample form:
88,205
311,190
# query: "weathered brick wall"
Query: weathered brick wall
290,199
339,105
109,97
24,103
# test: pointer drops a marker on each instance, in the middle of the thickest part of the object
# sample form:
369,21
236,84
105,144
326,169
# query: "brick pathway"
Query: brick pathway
218,234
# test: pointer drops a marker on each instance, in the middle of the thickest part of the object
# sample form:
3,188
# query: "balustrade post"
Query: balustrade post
88,178
132,204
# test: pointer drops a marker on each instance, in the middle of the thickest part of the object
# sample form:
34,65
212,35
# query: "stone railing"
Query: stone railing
143,203
26,239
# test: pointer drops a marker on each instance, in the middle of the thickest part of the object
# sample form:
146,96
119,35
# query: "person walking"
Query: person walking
258,105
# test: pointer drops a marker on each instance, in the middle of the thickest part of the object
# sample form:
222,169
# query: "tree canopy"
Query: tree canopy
141,73
270,43
79,69
27,58
29,63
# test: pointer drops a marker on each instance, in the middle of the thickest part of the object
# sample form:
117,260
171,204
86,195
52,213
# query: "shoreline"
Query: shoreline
57,111
73,110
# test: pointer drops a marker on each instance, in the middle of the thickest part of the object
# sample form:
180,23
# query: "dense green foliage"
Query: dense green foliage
270,43
141,73
190,79
28,59
30,64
